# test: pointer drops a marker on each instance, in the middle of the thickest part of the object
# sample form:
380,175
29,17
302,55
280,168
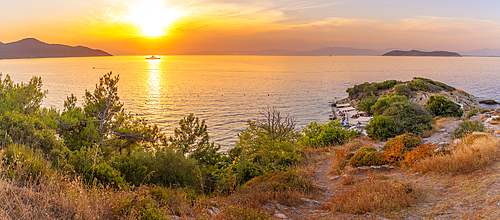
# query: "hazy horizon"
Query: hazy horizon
133,27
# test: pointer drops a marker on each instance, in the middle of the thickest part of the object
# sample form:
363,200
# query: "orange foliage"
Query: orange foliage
422,151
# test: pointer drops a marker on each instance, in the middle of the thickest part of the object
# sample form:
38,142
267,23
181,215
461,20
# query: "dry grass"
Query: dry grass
375,195
440,122
339,162
53,199
465,158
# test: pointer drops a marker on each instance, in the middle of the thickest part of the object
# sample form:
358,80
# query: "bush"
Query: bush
385,102
440,106
366,104
381,128
466,128
423,151
25,129
327,134
367,156
94,168
429,85
408,117
25,163
165,168
408,140
399,116
402,90
471,113
396,148
386,84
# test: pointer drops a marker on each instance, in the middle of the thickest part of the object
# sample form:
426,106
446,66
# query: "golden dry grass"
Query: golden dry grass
339,162
53,199
466,158
375,195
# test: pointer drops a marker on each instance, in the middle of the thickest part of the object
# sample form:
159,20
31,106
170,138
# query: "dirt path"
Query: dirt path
471,196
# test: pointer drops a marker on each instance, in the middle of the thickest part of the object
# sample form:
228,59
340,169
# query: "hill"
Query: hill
421,53
33,48
326,51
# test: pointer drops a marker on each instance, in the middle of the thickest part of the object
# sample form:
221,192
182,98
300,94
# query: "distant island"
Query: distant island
33,48
422,53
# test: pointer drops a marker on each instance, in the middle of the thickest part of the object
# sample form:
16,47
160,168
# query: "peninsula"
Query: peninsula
422,53
33,48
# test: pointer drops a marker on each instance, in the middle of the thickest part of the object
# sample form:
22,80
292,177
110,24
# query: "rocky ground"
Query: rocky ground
471,196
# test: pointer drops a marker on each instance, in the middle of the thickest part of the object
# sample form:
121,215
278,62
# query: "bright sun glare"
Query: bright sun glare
153,17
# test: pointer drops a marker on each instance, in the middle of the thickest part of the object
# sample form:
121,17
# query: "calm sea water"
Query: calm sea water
226,91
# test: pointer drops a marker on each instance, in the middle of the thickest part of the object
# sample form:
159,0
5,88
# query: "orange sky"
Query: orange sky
224,25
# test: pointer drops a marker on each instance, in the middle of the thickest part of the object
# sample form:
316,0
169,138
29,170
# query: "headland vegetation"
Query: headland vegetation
96,161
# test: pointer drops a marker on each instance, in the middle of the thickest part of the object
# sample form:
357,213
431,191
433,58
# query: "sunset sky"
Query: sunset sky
121,27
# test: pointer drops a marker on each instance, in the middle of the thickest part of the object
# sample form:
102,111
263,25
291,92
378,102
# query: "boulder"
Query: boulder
489,102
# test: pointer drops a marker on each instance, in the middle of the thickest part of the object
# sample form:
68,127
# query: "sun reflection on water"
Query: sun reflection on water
154,89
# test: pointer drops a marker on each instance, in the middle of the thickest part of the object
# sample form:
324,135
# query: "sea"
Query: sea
227,91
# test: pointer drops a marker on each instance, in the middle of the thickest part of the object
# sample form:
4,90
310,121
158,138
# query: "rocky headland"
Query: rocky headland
419,91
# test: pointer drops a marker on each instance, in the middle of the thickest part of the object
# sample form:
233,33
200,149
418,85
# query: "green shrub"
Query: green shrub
366,104
381,128
25,129
429,85
327,134
440,106
165,167
370,90
402,90
367,156
466,128
406,117
409,141
388,84
385,102
25,163
367,148
90,163
471,113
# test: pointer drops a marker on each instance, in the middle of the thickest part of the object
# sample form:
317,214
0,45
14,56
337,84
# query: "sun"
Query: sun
153,17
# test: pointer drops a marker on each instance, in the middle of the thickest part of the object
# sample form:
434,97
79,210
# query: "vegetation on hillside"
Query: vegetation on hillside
139,169
96,161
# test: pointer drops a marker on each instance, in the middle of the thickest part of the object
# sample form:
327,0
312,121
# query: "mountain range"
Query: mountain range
326,51
33,48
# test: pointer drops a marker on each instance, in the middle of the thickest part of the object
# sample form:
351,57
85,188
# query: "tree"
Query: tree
102,121
22,97
276,124
191,138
